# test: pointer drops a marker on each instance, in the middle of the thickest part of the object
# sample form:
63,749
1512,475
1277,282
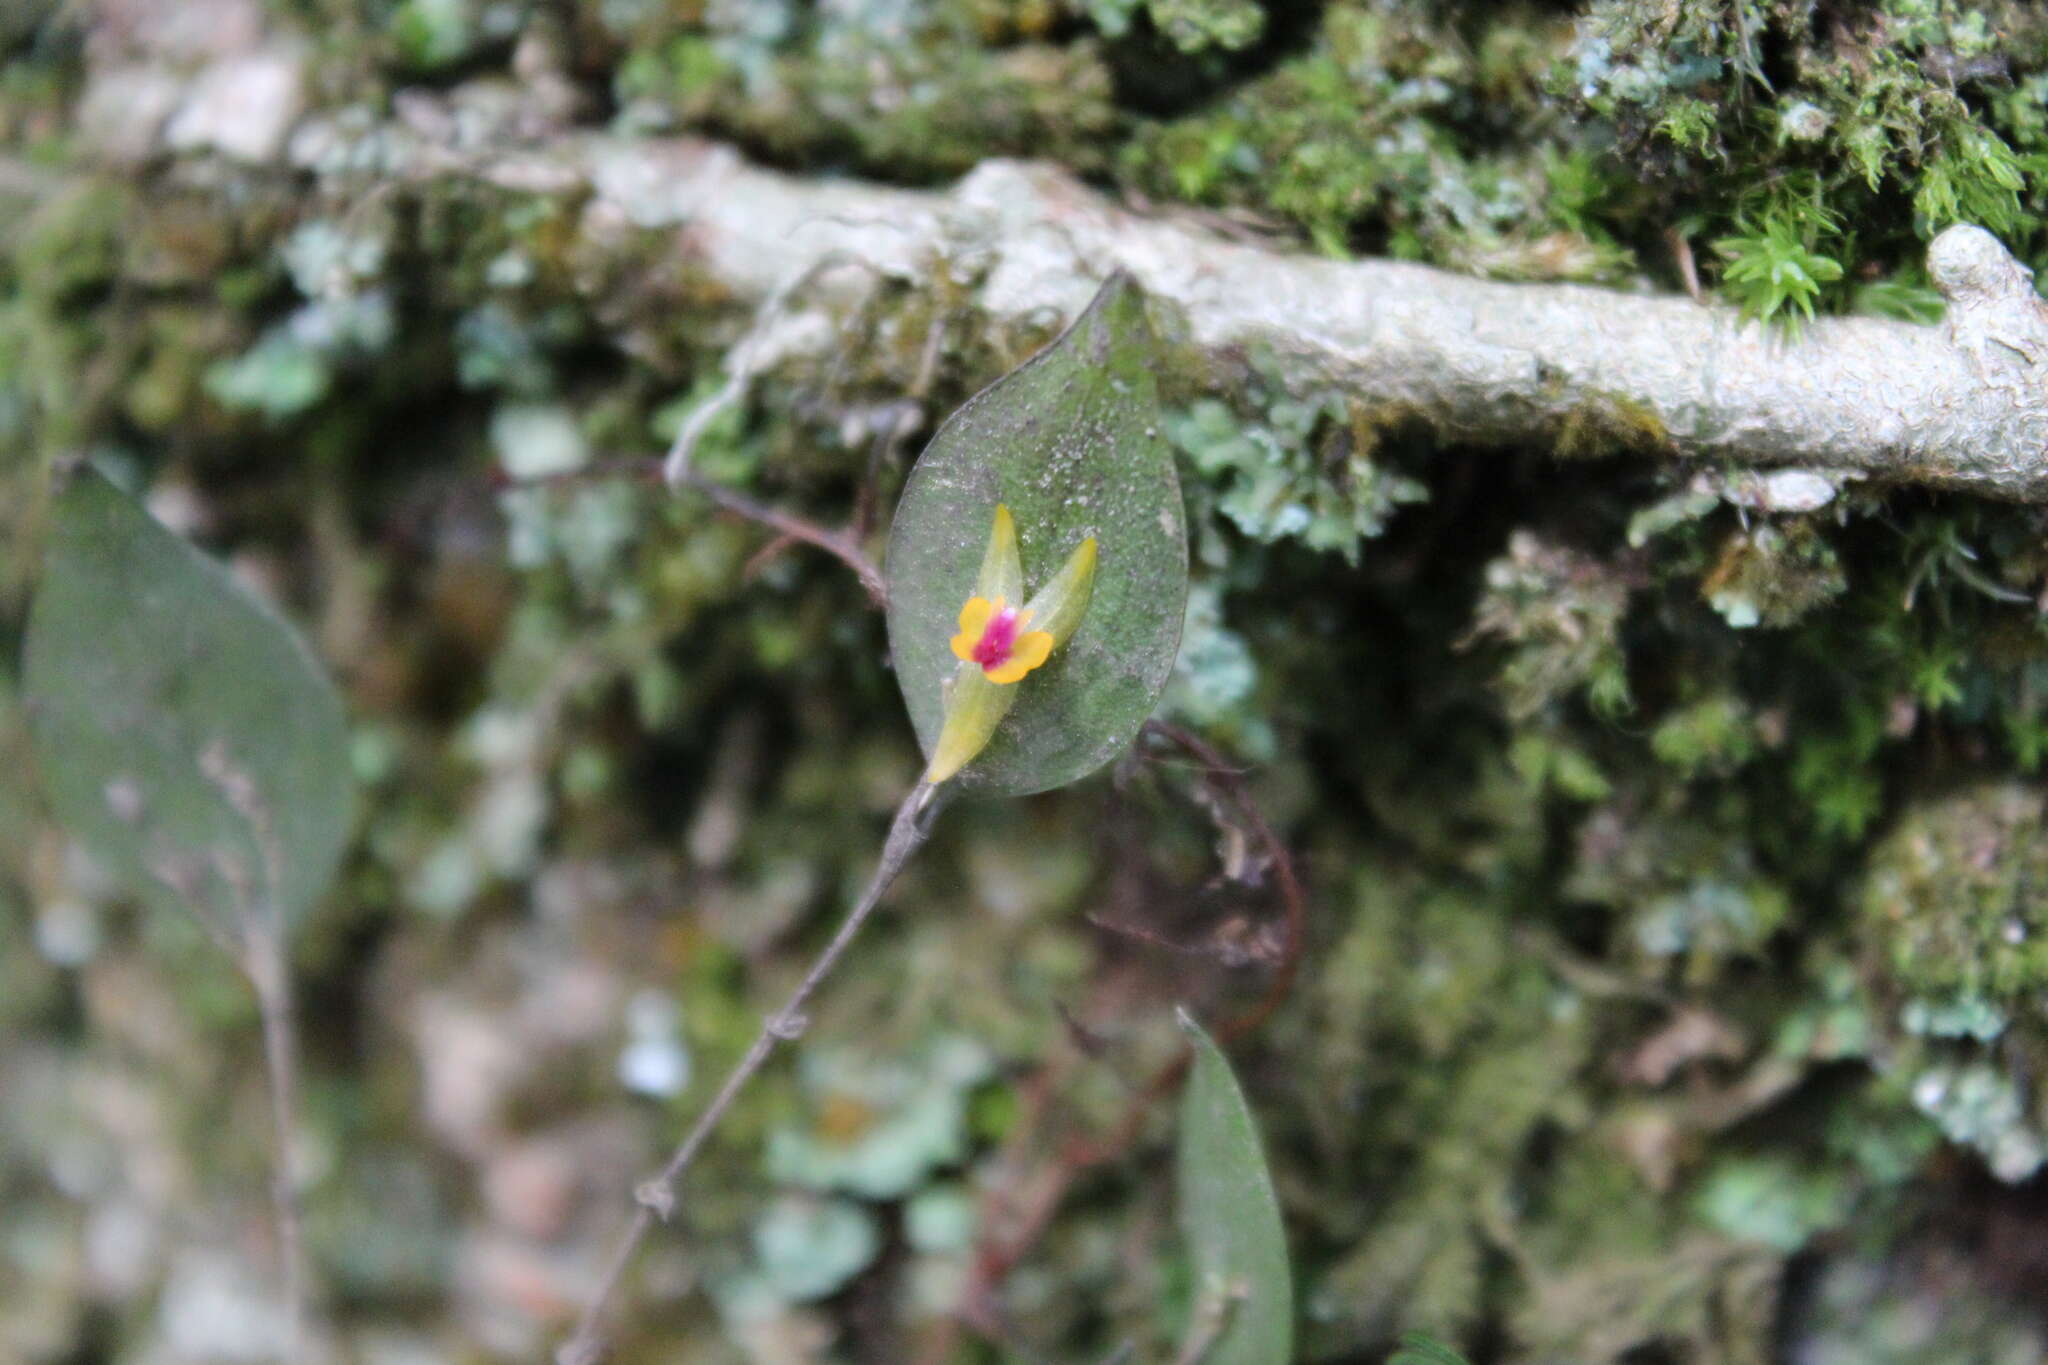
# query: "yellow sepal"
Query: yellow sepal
974,707
1059,606
1002,570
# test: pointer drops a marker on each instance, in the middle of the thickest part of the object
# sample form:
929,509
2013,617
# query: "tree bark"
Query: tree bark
1962,404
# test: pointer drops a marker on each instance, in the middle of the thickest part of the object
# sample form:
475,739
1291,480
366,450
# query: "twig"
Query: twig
675,466
1688,269
843,546
1962,404
269,970
744,361
657,1197
839,544
1294,906
902,419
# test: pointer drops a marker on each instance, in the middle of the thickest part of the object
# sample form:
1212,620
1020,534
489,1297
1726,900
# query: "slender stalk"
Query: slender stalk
842,545
270,973
657,1197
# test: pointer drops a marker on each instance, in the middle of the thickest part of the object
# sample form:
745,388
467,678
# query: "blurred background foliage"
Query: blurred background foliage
1674,978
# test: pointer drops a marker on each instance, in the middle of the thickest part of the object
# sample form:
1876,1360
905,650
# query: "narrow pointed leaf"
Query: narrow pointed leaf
1229,1214
1070,442
183,731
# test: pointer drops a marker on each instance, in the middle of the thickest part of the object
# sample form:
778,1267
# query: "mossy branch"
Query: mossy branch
1962,404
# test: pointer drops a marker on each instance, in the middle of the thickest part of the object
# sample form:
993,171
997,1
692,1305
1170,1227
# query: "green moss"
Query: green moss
1690,125
74,241
1893,119
1716,734
910,90
1378,136
1427,973
1954,895
1773,575
1559,613
1775,263
1611,425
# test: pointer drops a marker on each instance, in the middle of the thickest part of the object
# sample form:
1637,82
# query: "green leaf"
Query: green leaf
1418,1348
1072,442
184,732
1229,1214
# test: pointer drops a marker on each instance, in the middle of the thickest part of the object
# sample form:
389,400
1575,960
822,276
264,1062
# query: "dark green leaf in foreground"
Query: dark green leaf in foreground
1071,441
1418,1348
1230,1216
183,730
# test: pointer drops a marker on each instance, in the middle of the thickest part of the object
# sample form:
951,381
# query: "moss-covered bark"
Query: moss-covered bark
1672,989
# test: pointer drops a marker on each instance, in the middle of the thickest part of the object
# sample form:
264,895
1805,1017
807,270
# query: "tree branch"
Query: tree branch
1962,404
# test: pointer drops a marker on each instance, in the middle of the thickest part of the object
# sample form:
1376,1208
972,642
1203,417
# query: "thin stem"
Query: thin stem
743,362
1294,906
270,973
842,545
657,1197
845,546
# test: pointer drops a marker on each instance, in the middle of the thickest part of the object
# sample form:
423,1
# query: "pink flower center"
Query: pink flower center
998,638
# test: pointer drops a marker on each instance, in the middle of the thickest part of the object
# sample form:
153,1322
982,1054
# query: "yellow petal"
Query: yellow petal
974,707
974,615
1029,652
974,619
1063,601
1033,647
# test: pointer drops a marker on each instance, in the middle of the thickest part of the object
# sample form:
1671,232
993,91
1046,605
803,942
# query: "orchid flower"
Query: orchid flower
1001,641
